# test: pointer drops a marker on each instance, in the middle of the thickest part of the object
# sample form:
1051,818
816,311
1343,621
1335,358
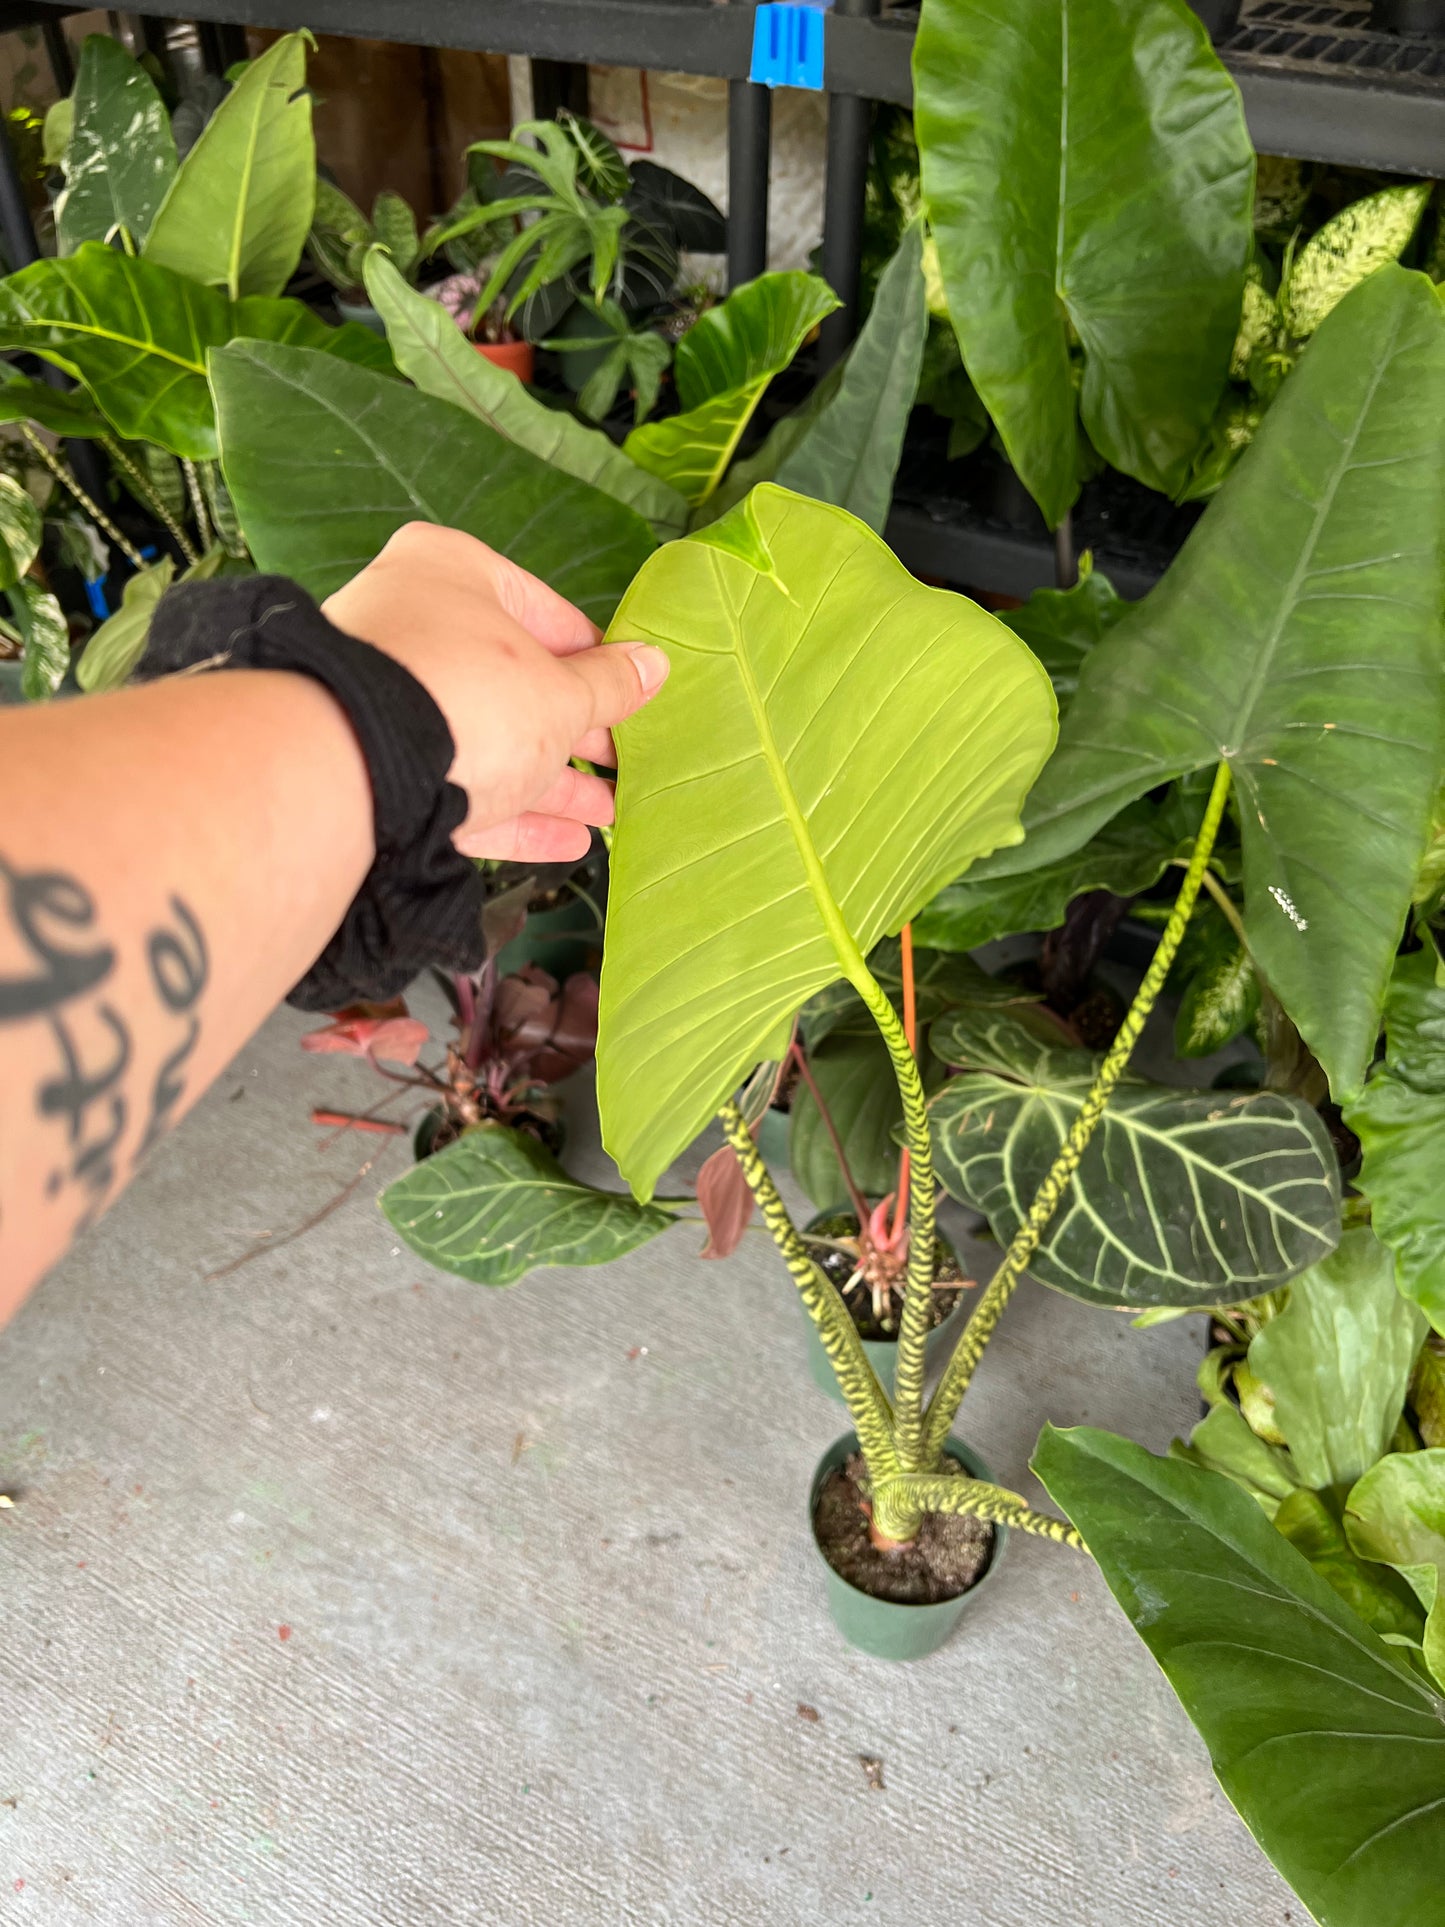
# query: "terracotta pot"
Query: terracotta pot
518,356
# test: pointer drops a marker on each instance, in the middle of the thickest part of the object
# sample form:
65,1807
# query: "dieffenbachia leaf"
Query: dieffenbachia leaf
1396,1514
120,157
1361,238
137,335
1061,626
433,352
1297,636
722,367
46,638
63,411
326,461
834,742
119,643
1338,1360
1088,177
496,1204
239,210
20,528
1221,998
1329,1745
1182,1197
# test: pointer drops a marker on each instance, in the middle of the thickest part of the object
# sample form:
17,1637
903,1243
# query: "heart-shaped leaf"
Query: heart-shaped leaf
834,742
1396,1514
120,158
325,462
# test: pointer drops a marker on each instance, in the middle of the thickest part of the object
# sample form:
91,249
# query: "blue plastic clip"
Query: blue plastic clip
95,596
788,46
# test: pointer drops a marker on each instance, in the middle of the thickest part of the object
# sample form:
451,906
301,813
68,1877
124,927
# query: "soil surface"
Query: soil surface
838,1267
949,1555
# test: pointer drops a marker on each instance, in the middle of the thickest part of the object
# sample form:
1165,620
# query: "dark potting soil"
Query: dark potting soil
949,1555
838,1267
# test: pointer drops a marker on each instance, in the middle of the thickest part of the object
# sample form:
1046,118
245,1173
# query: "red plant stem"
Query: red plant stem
860,1204
910,1031
343,1121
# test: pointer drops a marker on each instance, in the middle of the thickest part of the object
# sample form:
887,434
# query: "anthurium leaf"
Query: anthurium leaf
1061,626
1396,1514
137,336
1221,999
722,367
239,210
853,1073
120,158
46,635
838,740
325,461
1312,1523
1362,237
496,1204
433,352
1296,636
63,411
20,528
1338,1360
849,453
1086,172
1400,1122
1322,1736
1182,1197
1223,1442
119,643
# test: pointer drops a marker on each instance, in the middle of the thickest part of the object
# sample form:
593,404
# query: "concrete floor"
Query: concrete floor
338,1591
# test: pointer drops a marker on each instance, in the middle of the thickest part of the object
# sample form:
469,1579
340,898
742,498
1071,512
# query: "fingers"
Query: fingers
548,617
618,679
531,838
586,799
597,747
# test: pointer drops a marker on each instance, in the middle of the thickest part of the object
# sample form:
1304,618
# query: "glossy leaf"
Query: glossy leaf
120,157
1296,636
238,212
326,461
1087,174
834,741
1362,237
1396,1514
119,643
46,636
774,449
496,1204
1061,626
63,411
1182,1197
19,531
1329,1746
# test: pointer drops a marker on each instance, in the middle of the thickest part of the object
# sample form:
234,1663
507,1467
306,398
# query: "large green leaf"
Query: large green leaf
63,411
20,528
1298,637
137,336
1396,1514
120,158
119,643
433,352
1338,1360
496,1204
1088,177
1400,1122
1061,626
723,365
1330,1747
326,461
238,212
1182,1197
849,454
834,741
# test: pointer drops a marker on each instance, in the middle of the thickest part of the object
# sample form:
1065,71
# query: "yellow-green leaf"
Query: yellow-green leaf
1362,237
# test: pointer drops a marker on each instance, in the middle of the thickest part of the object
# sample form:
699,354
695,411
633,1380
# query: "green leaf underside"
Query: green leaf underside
119,643
19,531
834,742
1086,164
496,1204
1396,1514
1332,1751
138,335
325,462
1296,636
120,158
1182,1197
432,351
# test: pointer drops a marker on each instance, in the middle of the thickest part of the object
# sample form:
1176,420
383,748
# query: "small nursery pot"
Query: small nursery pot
882,1353
362,312
883,1628
519,357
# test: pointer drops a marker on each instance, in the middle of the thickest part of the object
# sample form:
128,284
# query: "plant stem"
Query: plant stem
93,509
855,1196
910,1031
912,1492
198,503
1227,910
140,482
944,1406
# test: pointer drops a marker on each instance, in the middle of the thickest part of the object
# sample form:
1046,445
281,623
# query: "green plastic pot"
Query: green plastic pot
362,313
882,1353
881,1627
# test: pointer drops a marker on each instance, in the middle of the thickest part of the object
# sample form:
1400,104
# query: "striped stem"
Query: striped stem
902,1501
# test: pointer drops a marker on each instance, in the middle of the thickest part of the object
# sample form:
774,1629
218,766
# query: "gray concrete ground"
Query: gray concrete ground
338,1591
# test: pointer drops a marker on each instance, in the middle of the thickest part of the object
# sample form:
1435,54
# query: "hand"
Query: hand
519,676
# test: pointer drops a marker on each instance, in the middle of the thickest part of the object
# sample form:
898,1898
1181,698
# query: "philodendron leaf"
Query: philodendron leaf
1087,175
1396,1514
433,352
496,1204
1182,1197
325,462
722,367
238,212
137,336
46,636
834,742
1338,1360
1329,1745
1061,626
120,158
1296,636
119,643
19,531
1362,237
63,411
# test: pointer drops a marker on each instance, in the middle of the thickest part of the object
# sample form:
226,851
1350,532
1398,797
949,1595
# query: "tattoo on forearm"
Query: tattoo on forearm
179,968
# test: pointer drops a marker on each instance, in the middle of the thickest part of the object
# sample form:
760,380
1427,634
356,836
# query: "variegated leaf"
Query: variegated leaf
1362,237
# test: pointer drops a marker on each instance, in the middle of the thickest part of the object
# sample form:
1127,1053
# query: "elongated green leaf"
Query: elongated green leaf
1313,1524
1338,1360
849,454
834,742
1182,1198
238,212
120,158
1297,636
19,531
46,635
723,366
1396,1514
765,461
63,411
1087,175
326,461
496,1204
137,336
1328,1745
1223,1442
1362,237
431,351
119,643
1061,626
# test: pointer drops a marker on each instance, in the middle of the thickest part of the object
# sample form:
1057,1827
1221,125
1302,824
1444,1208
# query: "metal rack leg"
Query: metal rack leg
57,48
750,141
847,180
557,84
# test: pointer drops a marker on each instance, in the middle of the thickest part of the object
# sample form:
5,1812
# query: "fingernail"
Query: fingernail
652,665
